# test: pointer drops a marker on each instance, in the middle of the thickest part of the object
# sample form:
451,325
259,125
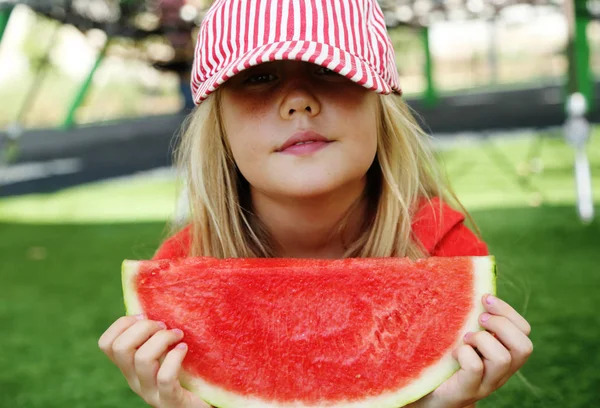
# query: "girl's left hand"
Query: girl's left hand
487,359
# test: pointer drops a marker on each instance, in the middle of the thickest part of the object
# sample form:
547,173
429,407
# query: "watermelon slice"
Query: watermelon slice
313,333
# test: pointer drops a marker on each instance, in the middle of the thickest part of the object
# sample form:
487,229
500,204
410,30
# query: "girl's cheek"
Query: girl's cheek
241,113
250,101
258,108
350,97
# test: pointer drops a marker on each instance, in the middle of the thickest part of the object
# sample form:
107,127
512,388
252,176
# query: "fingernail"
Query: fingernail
181,346
139,316
466,336
490,299
161,325
485,317
178,332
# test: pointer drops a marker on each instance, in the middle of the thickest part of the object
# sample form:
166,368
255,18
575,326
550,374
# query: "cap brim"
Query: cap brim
335,59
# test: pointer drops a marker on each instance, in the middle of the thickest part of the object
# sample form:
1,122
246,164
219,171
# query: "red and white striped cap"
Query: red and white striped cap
348,37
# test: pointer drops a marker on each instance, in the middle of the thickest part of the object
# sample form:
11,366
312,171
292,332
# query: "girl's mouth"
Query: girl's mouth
304,142
309,146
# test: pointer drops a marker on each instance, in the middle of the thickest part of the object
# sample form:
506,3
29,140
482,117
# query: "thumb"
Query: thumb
171,393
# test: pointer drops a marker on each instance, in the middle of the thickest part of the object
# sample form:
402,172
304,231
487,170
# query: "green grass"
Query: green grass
60,281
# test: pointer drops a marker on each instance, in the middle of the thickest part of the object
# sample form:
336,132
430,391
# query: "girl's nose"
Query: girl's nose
299,101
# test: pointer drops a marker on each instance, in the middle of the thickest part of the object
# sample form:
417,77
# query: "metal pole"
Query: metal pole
577,132
578,50
5,13
431,96
582,54
83,90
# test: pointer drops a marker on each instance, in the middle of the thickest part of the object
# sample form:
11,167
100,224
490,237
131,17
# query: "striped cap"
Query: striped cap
348,37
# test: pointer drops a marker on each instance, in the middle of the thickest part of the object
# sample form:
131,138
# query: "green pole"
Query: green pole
83,90
580,77
582,54
431,96
5,13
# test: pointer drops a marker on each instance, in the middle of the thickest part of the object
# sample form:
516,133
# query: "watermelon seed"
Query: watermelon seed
378,337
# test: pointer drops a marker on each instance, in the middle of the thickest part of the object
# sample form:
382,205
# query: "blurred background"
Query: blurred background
93,93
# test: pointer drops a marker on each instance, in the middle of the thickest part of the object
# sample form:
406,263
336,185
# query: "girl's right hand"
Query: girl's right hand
137,346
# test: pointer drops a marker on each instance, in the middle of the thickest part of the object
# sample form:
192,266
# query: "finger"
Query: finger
146,359
169,388
106,340
517,343
125,346
471,369
499,307
496,359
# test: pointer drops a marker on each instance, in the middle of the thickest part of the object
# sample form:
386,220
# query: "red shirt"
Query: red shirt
441,236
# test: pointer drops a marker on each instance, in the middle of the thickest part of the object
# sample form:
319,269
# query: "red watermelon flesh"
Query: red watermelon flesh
298,332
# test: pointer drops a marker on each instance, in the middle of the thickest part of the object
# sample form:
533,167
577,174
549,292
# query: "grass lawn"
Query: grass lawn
61,282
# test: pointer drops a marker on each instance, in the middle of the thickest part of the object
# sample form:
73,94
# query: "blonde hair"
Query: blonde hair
405,172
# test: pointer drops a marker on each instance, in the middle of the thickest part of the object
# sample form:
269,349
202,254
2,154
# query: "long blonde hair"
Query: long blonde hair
405,172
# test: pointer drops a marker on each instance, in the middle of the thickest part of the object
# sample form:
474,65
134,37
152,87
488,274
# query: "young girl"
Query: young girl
301,146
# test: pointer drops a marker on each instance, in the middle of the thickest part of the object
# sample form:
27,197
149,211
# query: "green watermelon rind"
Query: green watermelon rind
485,282
129,270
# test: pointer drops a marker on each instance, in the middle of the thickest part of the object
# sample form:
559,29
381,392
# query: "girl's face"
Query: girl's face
299,130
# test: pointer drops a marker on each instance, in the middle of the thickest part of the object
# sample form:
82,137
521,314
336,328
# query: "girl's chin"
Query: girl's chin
301,194
307,189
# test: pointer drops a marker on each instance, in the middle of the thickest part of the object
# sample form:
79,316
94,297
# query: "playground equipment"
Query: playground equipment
139,19
135,19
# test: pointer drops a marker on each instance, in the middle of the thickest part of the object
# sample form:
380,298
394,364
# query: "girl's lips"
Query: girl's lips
303,138
305,147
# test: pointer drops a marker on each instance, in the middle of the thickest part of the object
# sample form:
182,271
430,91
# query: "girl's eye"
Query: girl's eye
325,71
328,75
260,78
